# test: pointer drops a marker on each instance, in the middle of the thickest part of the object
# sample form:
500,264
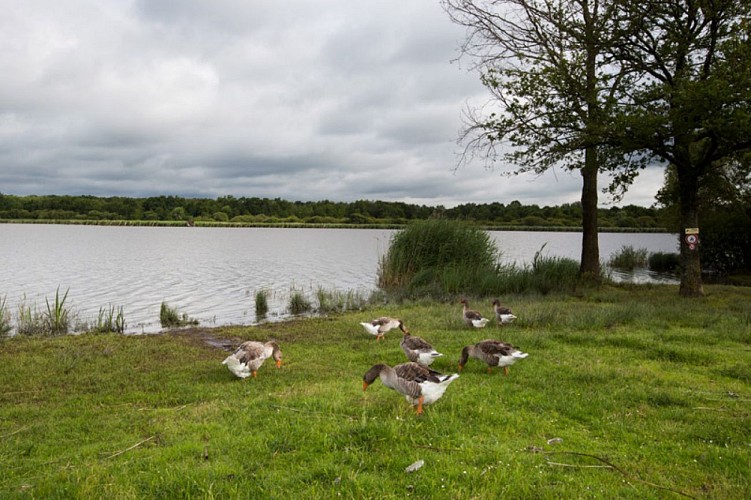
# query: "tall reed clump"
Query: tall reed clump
5,326
170,318
262,303
337,301
111,320
57,316
629,258
298,303
437,256
664,262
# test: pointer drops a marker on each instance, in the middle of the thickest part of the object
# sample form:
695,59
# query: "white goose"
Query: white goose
420,385
494,353
503,314
418,350
380,326
472,318
249,357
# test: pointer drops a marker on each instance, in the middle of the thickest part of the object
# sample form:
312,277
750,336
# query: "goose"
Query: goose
249,357
380,326
503,314
472,318
419,385
494,353
418,350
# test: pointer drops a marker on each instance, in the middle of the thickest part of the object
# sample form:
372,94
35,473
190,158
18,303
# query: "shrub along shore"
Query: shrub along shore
297,225
627,392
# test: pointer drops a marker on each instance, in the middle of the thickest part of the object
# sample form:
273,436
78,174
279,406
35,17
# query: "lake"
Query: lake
213,274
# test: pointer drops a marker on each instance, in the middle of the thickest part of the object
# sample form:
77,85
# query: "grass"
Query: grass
628,392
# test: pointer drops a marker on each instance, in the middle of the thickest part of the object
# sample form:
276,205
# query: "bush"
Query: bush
262,303
170,318
629,258
5,326
298,304
662,262
428,253
110,320
725,250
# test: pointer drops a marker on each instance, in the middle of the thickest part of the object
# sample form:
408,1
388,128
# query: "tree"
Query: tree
552,84
690,103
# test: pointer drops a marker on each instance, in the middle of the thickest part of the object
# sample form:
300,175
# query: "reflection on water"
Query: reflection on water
213,274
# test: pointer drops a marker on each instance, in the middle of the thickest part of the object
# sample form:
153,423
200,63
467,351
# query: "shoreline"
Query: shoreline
303,225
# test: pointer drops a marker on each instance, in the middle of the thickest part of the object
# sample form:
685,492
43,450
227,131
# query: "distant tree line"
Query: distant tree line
265,210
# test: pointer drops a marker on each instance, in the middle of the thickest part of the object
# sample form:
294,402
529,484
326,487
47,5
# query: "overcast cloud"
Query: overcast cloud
332,99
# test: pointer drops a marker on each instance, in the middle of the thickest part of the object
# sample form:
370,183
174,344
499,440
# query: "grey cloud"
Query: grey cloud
301,100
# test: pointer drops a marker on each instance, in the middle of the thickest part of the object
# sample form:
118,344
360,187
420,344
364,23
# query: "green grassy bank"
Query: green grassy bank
628,392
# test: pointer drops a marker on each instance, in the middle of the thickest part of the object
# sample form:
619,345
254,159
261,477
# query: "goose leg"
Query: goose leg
419,404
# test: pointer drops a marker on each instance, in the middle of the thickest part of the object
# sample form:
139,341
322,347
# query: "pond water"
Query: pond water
213,274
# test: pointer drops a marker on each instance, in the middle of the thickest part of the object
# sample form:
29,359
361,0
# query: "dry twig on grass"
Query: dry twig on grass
132,447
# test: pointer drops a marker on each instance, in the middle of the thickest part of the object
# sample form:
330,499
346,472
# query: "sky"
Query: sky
337,100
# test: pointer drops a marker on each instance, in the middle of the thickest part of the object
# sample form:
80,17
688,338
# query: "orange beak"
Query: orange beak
364,385
460,367
278,363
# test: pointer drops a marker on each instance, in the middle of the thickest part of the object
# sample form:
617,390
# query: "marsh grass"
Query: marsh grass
629,258
299,303
5,320
441,259
653,390
58,315
431,251
110,320
262,304
336,301
664,262
169,317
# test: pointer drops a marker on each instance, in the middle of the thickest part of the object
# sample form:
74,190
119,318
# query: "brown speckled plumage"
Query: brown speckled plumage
420,385
493,353
418,350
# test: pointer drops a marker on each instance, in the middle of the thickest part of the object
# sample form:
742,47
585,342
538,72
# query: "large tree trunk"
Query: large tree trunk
589,267
688,186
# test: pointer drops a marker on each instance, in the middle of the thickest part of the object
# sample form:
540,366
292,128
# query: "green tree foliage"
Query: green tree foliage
552,84
724,205
690,102
256,210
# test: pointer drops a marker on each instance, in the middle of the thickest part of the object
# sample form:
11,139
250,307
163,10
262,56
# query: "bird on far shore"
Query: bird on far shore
380,326
472,318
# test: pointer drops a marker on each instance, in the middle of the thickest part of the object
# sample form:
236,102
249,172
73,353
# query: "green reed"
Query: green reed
298,303
262,303
111,319
5,325
169,317
629,258
57,316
